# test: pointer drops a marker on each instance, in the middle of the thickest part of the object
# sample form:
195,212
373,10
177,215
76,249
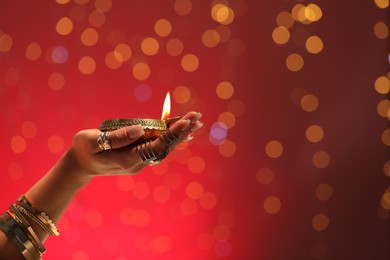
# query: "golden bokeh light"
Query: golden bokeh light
224,33
150,46
320,222
264,176
227,118
309,103
211,38
174,47
321,159
294,62
274,149
96,18
227,148
314,133
385,137
141,71
122,52
382,85
140,218
55,143
181,94
161,244
103,5
225,90
161,194
18,144
196,164
190,62
163,27
313,12
385,201
222,14
272,205
183,7
381,30
87,65
280,35
208,200
194,190
386,168
62,2
33,51
89,37
296,10
93,218
314,44
56,81
324,191
383,108
382,3
112,61
285,19
64,26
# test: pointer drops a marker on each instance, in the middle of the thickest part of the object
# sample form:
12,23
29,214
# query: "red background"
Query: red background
226,194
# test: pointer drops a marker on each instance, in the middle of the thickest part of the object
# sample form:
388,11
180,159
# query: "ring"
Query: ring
104,141
146,153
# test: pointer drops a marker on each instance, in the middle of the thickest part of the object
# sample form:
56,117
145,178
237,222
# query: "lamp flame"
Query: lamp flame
167,107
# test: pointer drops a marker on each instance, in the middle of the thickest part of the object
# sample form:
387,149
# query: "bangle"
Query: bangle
40,216
16,234
34,218
27,228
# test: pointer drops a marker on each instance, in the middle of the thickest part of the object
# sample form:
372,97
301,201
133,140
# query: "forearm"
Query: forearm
53,192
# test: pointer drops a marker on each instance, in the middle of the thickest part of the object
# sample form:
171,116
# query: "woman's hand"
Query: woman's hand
124,157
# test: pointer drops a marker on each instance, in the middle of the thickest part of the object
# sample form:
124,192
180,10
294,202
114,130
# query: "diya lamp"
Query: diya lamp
153,127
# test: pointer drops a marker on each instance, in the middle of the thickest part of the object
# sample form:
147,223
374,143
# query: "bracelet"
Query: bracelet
16,234
27,228
34,218
40,216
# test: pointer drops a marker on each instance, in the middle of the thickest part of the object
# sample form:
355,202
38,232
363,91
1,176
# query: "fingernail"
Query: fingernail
186,124
188,138
197,117
196,126
134,131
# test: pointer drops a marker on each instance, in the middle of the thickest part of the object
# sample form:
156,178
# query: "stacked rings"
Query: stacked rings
146,152
104,141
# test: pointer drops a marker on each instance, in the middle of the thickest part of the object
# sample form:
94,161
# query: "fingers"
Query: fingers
124,136
182,130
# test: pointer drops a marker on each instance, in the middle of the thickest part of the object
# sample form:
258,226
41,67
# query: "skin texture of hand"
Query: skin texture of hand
123,158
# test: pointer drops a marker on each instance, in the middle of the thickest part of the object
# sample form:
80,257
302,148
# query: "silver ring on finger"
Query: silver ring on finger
104,141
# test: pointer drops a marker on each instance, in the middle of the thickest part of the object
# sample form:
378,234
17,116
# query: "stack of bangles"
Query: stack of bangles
18,229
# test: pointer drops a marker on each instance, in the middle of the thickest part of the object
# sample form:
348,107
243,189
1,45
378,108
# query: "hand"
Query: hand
124,158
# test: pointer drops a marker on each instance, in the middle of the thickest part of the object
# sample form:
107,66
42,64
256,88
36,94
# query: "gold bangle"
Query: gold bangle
41,215
18,237
34,218
28,229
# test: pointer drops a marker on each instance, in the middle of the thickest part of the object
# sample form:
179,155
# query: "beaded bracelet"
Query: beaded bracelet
38,216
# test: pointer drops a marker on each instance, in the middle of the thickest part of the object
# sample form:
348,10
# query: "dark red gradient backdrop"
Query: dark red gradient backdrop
292,161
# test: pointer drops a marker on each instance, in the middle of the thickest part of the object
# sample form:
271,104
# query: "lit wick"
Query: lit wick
167,107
